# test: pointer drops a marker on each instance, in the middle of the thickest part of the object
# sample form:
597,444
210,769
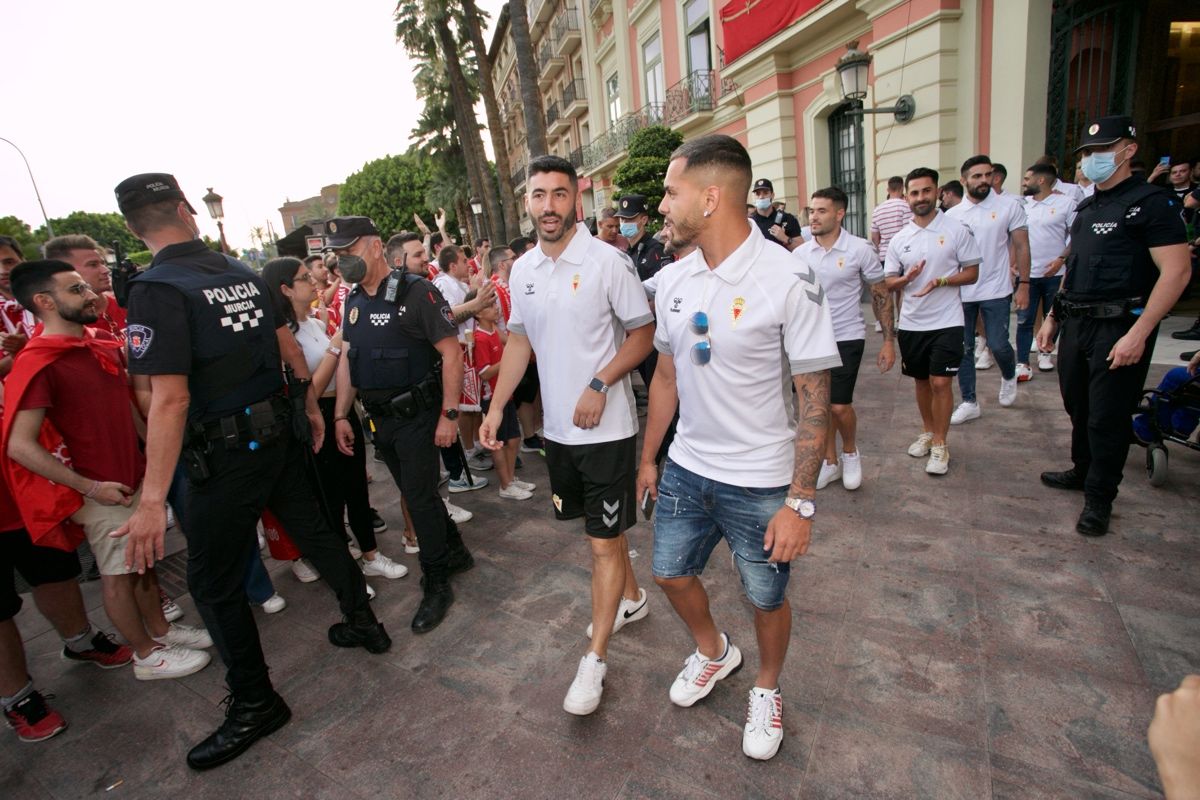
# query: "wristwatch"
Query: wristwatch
450,413
598,385
804,507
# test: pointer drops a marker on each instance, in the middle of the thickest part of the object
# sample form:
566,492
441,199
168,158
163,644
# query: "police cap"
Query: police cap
630,206
763,183
149,187
1105,131
344,231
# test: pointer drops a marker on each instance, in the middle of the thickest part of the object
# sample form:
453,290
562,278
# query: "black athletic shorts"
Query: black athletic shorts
931,353
37,565
509,428
596,481
527,389
842,379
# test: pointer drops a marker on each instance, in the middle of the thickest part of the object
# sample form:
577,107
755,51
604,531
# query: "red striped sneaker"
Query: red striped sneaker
33,720
104,652
701,674
764,724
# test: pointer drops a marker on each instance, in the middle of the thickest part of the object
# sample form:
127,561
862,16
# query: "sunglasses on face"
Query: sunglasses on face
701,351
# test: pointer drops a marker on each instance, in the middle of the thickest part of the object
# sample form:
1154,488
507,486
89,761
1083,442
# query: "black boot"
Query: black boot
460,560
361,629
435,603
1094,519
245,723
1070,479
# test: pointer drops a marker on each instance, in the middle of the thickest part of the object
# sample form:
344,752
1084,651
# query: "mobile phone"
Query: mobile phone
647,505
1165,161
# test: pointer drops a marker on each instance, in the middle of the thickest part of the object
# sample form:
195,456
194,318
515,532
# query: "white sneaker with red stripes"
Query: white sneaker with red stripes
701,674
764,724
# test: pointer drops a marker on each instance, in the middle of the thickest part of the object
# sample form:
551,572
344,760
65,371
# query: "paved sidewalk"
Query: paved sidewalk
953,638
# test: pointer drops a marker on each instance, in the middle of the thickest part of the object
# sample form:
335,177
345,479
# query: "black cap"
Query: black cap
630,206
149,187
344,231
1105,131
763,183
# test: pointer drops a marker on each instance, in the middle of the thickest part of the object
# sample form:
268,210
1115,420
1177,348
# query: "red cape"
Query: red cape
45,506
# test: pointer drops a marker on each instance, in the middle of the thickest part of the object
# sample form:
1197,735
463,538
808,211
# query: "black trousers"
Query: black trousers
1100,401
411,456
222,516
344,478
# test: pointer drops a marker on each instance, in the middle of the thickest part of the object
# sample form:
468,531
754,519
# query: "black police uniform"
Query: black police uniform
195,312
1108,279
648,256
791,225
393,365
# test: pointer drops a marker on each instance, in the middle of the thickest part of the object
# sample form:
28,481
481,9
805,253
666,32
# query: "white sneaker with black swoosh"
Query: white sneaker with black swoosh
628,611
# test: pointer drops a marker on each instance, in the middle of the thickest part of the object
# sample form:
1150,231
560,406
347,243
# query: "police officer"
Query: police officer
645,250
775,224
201,327
1127,266
397,329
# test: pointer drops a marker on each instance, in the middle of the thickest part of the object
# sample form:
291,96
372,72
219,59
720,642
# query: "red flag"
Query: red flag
749,23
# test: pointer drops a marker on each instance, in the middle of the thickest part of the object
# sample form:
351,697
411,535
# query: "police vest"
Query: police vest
387,351
1106,261
235,355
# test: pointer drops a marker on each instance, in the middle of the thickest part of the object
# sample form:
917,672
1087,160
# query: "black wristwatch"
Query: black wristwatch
597,385
450,413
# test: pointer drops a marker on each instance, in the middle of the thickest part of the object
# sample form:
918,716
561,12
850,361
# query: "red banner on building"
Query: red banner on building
749,23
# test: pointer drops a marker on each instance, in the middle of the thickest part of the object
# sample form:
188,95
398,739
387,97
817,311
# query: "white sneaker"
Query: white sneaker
514,492
459,515
700,674
939,460
169,662
304,571
1045,362
920,448
1008,390
526,485
411,548
764,724
171,609
965,413
383,567
983,356
273,604
480,461
851,470
584,695
185,636
829,474
1024,373
628,611
370,592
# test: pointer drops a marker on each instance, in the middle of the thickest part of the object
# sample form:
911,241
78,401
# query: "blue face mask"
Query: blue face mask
1099,167
629,229
763,203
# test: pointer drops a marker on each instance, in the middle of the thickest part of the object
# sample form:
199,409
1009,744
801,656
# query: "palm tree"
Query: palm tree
527,75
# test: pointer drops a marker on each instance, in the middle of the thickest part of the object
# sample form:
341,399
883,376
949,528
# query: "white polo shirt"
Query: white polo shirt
992,219
1049,230
455,292
945,245
1073,191
842,270
575,312
736,414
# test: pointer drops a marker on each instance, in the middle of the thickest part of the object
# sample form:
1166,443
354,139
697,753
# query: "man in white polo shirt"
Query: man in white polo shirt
998,223
1050,215
578,304
842,264
740,467
929,259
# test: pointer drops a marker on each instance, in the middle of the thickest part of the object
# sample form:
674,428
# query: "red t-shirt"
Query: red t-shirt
504,295
488,351
91,408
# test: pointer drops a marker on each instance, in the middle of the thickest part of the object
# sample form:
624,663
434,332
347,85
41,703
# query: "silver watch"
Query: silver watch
804,507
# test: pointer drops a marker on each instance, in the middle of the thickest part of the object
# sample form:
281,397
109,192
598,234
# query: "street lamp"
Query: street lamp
853,70
477,210
49,227
217,210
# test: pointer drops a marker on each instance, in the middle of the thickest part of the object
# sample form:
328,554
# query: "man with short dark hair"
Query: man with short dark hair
1050,214
644,250
999,176
949,195
776,225
889,216
84,254
521,245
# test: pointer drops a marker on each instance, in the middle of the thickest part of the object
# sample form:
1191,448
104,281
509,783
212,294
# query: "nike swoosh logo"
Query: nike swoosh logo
629,614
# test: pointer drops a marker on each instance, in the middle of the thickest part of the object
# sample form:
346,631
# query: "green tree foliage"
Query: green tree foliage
389,190
104,228
11,226
646,167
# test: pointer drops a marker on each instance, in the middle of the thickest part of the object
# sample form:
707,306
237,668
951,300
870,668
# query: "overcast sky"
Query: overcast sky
263,100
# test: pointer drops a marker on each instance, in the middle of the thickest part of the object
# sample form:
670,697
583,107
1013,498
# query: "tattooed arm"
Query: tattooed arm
882,304
788,534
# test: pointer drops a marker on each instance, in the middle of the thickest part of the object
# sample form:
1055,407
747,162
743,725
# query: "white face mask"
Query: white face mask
763,203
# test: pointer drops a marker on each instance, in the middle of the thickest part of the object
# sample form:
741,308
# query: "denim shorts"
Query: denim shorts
694,513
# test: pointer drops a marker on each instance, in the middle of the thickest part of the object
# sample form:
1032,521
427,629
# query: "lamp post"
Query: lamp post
477,210
217,210
37,194
853,68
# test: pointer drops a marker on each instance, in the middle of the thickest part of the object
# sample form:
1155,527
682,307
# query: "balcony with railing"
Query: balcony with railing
576,158
540,11
614,142
567,31
574,98
518,176
556,123
549,62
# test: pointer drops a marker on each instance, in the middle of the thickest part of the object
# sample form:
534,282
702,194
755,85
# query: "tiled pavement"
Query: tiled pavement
953,638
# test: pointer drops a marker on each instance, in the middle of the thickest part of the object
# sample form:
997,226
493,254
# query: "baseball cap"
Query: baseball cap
630,206
763,183
1105,131
146,188
344,231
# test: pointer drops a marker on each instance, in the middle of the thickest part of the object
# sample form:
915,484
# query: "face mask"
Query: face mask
1099,167
763,203
629,229
353,268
